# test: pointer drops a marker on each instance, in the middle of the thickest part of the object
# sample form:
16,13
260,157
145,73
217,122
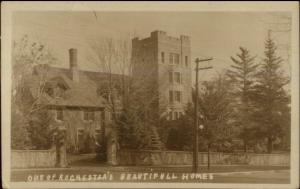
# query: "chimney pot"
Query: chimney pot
73,57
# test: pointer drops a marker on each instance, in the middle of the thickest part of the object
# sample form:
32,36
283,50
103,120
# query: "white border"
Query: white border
6,15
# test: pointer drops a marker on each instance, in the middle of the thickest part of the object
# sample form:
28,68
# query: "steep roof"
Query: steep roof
81,93
96,77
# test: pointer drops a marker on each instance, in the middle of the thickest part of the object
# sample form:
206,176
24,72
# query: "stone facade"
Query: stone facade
164,64
73,121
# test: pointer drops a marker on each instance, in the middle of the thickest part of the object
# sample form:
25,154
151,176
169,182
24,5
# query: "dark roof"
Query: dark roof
78,94
94,76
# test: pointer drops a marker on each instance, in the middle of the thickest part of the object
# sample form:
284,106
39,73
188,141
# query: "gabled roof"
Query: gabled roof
96,77
77,94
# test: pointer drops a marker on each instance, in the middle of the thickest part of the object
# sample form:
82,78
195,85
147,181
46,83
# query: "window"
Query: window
186,60
80,134
85,115
176,58
59,115
97,134
162,57
170,96
102,115
175,95
171,58
178,96
177,77
92,116
171,77
171,115
175,115
180,114
89,115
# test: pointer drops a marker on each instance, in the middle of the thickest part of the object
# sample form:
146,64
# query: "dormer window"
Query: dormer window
55,90
49,91
59,91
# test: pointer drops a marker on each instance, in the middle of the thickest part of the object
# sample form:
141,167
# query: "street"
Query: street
266,177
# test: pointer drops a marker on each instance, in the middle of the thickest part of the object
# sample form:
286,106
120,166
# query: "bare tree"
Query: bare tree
114,57
27,87
28,57
127,95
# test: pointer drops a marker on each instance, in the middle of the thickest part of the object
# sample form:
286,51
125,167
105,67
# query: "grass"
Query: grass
93,164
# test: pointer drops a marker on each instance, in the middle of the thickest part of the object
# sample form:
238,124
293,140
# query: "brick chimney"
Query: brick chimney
73,65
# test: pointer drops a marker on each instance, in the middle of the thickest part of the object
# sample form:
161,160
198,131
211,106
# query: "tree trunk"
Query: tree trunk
57,149
270,144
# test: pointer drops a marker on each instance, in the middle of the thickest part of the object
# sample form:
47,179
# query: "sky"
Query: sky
213,34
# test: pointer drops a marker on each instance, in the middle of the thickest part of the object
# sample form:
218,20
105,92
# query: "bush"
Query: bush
176,134
101,150
40,131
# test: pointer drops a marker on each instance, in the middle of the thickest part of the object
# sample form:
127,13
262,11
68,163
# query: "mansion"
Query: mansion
78,107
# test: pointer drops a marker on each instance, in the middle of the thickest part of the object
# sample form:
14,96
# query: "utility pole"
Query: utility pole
195,154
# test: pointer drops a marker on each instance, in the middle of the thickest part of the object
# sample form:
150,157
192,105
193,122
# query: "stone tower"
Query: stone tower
163,64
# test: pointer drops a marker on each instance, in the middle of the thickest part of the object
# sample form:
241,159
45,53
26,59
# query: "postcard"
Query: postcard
150,94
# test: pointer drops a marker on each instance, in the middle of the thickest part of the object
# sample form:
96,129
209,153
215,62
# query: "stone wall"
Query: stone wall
33,158
81,157
153,68
147,157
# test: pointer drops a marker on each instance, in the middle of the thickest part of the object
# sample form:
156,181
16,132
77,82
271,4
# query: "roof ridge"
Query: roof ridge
87,71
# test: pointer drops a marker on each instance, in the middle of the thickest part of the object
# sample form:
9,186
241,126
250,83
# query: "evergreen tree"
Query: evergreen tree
242,74
271,100
215,109
19,135
180,133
